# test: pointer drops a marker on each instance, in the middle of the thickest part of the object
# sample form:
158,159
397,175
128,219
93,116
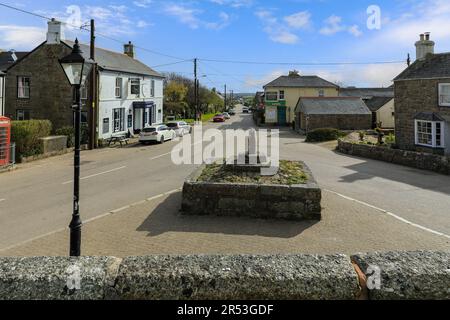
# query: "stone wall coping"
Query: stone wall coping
402,275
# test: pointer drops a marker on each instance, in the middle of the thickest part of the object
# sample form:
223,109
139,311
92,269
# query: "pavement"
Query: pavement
130,200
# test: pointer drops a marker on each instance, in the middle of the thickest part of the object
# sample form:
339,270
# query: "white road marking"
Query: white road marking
92,219
168,153
393,215
97,174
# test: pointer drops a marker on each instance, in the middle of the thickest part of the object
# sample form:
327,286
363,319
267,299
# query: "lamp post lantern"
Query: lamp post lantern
76,69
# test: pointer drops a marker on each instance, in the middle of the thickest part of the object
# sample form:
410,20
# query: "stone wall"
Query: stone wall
394,275
296,202
51,96
341,122
419,160
53,144
411,98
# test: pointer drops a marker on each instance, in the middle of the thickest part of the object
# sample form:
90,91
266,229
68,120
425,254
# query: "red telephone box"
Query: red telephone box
5,140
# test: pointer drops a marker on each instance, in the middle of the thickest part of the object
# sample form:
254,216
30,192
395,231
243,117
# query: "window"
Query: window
119,85
130,121
444,94
23,87
282,95
271,96
84,117
23,115
152,88
321,93
429,133
136,86
105,125
119,120
84,93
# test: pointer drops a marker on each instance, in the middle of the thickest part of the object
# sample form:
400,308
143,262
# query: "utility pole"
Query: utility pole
232,98
196,89
225,97
93,94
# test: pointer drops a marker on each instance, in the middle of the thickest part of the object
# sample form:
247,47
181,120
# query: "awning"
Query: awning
428,116
143,104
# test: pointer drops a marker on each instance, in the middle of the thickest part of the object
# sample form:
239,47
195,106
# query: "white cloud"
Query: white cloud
260,82
21,38
142,3
234,3
333,25
277,32
191,17
299,20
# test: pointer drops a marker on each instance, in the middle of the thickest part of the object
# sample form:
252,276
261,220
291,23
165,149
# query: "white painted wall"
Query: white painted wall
384,114
108,101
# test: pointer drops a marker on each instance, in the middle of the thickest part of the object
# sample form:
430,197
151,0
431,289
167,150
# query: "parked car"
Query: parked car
227,116
181,128
159,133
232,112
219,118
246,110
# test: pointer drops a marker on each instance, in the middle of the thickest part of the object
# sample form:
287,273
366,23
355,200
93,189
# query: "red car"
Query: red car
219,118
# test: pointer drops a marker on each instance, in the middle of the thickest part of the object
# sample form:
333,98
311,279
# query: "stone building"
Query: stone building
130,94
7,59
422,101
343,113
380,102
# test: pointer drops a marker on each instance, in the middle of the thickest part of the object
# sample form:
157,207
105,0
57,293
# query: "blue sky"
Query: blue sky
291,31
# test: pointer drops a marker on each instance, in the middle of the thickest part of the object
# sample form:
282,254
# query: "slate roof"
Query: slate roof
6,59
301,82
376,103
434,66
332,106
429,116
367,92
114,61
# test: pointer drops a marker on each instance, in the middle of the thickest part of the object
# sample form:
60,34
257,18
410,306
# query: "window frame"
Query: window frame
29,87
120,121
321,93
24,111
84,92
268,93
443,104
118,87
434,139
152,88
135,85
282,95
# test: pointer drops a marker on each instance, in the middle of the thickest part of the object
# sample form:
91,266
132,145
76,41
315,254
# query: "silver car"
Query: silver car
181,128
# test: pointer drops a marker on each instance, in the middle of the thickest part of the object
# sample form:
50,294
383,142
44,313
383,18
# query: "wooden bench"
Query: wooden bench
118,139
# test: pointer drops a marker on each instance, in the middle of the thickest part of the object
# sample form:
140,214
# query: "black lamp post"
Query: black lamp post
77,69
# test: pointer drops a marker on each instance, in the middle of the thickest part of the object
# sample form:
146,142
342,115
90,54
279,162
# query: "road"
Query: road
37,198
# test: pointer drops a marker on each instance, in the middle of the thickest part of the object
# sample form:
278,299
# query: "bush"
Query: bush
26,135
69,132
324,134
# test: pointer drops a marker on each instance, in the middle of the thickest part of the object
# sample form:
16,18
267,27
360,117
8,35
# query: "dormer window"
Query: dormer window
444,94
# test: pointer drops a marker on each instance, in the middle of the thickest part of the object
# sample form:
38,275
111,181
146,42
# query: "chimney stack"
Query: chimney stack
129,50
424,46
55,32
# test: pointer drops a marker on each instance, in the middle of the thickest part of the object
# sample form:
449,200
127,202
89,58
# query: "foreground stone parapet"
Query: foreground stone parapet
51,278
407,275
294,202
304,277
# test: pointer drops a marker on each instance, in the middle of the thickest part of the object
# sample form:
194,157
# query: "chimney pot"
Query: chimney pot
424,46
129,50
55,32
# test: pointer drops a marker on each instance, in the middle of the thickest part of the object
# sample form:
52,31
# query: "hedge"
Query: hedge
26,135
324,134
69,132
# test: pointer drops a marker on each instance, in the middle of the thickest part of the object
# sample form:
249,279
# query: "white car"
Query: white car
159,134
181,128
226,115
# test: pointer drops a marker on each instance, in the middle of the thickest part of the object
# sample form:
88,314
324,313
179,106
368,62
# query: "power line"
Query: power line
84,28
171,64
302,63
